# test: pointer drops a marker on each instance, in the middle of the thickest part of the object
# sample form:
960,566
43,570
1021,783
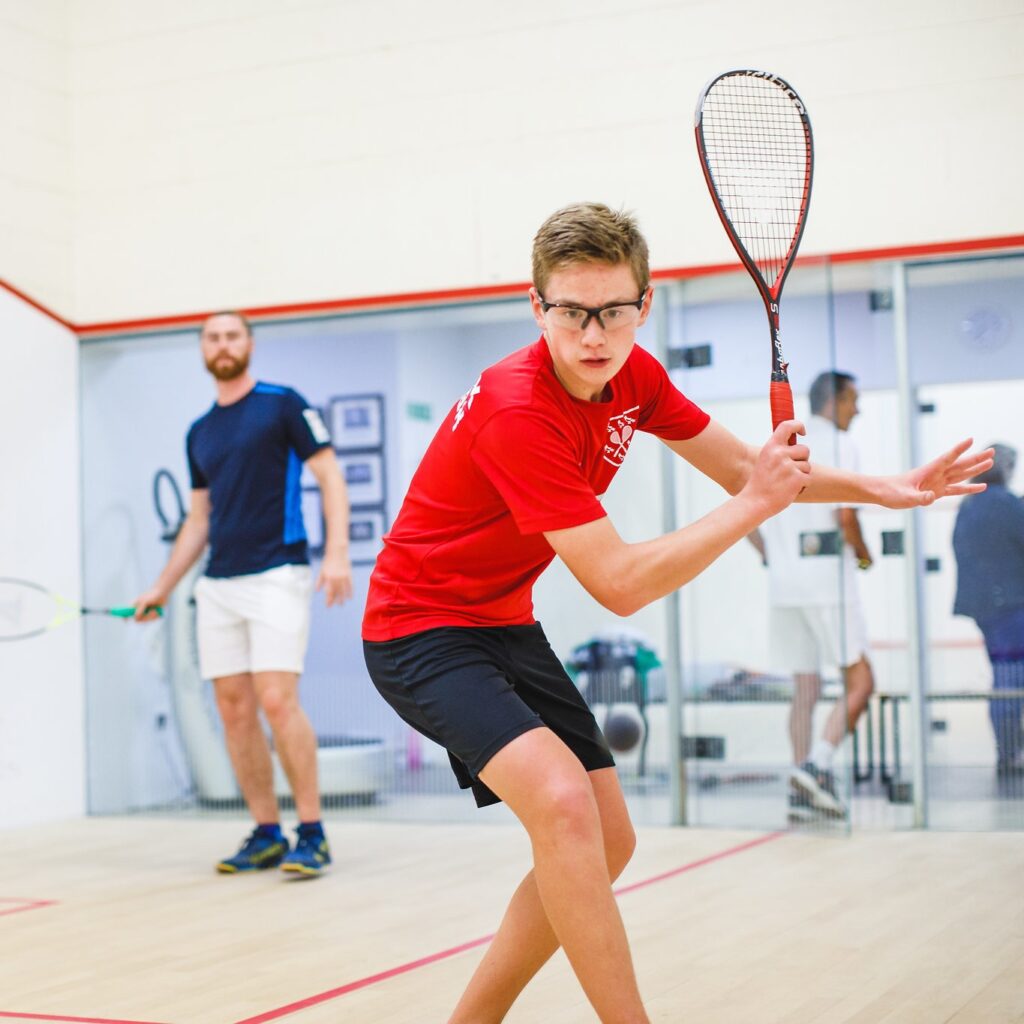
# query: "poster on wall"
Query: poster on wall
364,477
365,530
356,421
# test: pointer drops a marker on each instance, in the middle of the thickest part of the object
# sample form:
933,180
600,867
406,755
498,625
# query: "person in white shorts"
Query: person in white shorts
253,602
813,553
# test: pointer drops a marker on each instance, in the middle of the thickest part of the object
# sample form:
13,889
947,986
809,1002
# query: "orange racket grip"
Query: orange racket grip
780,395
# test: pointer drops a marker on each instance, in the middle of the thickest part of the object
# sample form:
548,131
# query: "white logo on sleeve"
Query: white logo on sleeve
316,426
621,431
466,403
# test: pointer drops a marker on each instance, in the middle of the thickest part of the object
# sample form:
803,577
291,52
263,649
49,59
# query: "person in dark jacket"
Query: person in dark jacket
988,541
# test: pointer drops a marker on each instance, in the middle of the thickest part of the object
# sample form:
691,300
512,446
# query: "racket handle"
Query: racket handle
780,395
128,611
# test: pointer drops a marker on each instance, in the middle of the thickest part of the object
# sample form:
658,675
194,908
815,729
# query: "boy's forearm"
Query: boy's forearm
828,484
657,567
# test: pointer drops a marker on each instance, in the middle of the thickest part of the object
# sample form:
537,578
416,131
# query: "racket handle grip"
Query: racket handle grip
128,611
780,395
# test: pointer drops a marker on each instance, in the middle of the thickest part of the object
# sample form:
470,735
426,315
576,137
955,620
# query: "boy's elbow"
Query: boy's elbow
621,600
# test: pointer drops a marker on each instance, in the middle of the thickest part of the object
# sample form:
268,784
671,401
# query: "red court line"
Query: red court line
693,865
25,904
10,1015
433,958
76,1020
334,993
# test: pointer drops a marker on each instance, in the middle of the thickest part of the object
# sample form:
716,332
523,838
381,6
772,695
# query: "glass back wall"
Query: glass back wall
383,383
967,367
154,738
738,688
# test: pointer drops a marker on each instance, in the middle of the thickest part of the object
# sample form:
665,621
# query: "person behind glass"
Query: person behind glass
988,542
812,553
512,478
245,458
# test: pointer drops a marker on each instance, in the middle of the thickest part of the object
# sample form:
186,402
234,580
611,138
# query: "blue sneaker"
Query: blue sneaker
310,856
259,852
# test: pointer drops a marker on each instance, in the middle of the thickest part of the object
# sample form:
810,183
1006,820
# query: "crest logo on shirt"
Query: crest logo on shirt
465,403
621,430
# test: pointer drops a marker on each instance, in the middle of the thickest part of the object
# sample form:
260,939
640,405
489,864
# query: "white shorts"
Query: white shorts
257,623
810,639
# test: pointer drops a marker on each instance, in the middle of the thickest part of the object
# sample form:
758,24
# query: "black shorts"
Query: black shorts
473,691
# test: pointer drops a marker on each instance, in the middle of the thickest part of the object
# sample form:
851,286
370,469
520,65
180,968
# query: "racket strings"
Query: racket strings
25,609
757,145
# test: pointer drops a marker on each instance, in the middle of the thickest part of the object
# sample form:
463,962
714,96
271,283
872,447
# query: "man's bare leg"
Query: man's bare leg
247,745
859,683
294,738
806,689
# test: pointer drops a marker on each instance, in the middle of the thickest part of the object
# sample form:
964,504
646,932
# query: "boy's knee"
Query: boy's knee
568,809
619,849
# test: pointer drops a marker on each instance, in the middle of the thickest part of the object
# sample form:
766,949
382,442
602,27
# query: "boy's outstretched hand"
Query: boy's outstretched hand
940,478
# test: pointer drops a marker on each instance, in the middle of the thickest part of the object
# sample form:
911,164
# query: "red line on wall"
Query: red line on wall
362,304
28,300
23,904
930,249
433,958
399,300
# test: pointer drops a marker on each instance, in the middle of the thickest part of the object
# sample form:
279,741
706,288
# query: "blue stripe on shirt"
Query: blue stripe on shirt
294,528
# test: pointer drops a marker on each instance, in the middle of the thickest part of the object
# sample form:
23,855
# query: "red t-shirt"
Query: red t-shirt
516,456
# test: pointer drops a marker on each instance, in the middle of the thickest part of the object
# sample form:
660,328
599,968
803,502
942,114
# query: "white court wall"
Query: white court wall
36,195
42,728
250,153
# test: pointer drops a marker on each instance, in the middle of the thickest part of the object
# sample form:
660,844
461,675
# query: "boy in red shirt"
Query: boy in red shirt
513,478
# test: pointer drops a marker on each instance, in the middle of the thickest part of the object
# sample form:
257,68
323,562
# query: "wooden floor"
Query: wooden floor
124,920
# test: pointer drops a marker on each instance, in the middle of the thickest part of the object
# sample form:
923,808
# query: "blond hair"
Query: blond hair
589,233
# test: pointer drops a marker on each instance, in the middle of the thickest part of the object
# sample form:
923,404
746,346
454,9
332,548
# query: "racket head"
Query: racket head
28,609
757,154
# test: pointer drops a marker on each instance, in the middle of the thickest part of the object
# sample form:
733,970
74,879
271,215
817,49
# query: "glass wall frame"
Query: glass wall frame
708,664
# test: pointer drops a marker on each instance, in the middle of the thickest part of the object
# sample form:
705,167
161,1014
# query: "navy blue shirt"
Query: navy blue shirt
249,456
988,540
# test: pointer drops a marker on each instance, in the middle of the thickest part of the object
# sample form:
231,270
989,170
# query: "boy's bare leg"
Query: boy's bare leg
525,940
547,788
